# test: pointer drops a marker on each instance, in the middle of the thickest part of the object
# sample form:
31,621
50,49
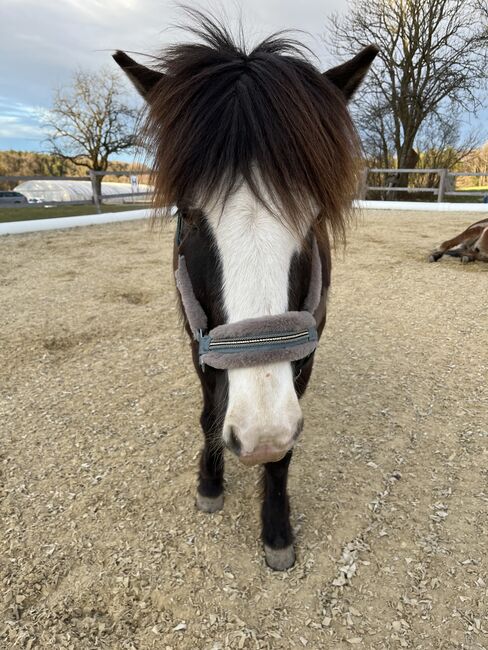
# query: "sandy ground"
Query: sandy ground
101,546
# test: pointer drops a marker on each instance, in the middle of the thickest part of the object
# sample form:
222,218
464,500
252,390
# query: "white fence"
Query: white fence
17,227
445,187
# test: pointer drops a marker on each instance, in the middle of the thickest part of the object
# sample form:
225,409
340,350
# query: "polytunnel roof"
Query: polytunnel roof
72,190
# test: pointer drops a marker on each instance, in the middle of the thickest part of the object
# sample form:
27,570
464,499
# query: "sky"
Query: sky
42,42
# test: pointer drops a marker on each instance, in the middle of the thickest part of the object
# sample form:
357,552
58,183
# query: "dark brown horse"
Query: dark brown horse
259,154
470,245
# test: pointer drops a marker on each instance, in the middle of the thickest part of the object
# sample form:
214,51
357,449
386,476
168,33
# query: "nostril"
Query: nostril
234,443
476,250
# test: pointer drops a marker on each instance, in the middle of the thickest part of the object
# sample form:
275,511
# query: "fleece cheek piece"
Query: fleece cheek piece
281,337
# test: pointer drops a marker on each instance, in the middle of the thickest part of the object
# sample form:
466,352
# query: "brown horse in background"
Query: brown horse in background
470,245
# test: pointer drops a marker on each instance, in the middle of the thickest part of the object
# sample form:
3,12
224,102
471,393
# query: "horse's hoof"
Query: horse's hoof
210,504
279,559
465,259
432,258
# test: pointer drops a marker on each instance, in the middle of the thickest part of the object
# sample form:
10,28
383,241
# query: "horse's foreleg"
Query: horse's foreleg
466,237
276,529
210,493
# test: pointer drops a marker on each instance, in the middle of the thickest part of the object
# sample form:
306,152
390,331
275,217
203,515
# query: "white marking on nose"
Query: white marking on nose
263,407
256,250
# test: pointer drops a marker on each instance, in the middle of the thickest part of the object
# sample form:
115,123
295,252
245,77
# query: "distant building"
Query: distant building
61,190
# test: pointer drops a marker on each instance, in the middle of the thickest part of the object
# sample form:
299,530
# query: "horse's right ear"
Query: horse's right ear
144,79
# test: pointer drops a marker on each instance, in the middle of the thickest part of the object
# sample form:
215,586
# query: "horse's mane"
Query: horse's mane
222,115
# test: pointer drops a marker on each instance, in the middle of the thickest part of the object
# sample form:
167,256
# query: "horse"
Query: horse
257,151
470,245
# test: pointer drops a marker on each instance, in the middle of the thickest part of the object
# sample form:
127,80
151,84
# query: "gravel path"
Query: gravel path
100,543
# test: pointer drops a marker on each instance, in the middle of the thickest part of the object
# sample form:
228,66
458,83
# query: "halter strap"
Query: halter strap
290,336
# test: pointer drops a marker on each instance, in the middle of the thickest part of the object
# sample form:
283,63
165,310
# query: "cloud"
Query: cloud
43,43
18,120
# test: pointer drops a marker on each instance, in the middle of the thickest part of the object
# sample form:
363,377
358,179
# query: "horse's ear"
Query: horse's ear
144,79
349,76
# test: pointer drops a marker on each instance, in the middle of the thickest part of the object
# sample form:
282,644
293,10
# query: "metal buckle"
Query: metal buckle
179,227
200,360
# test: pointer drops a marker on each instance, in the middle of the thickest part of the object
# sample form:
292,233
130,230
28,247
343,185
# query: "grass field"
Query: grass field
474,188
30,213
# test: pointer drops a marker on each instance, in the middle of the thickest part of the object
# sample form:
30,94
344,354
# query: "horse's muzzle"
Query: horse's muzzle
265,454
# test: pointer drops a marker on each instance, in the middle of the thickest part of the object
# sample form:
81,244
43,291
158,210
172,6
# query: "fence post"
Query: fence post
96,195
442,185
363,187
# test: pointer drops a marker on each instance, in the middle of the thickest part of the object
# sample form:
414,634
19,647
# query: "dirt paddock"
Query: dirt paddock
101,546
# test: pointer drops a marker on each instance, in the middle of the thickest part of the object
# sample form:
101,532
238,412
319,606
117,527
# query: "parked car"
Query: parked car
7,198
35,199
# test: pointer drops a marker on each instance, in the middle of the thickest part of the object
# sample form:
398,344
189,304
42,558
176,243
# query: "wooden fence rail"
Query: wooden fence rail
446,182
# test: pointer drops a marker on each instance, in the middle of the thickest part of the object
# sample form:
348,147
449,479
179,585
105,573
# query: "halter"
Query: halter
291,336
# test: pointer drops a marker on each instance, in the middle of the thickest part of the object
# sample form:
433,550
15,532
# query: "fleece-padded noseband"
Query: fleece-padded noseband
282,337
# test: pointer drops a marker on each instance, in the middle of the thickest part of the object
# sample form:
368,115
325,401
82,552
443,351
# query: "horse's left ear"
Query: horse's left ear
144,79
349,76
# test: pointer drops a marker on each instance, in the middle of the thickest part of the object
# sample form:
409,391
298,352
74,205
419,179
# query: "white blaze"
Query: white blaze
256,250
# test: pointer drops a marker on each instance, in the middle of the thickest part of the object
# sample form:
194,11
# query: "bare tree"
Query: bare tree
90,120
442,146
482,7
431,65
476,162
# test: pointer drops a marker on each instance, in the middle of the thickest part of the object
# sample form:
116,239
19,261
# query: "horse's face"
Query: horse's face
263,417
238,126
239,259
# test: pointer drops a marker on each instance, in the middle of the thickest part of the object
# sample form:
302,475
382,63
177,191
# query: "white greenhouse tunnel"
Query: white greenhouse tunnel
61,190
